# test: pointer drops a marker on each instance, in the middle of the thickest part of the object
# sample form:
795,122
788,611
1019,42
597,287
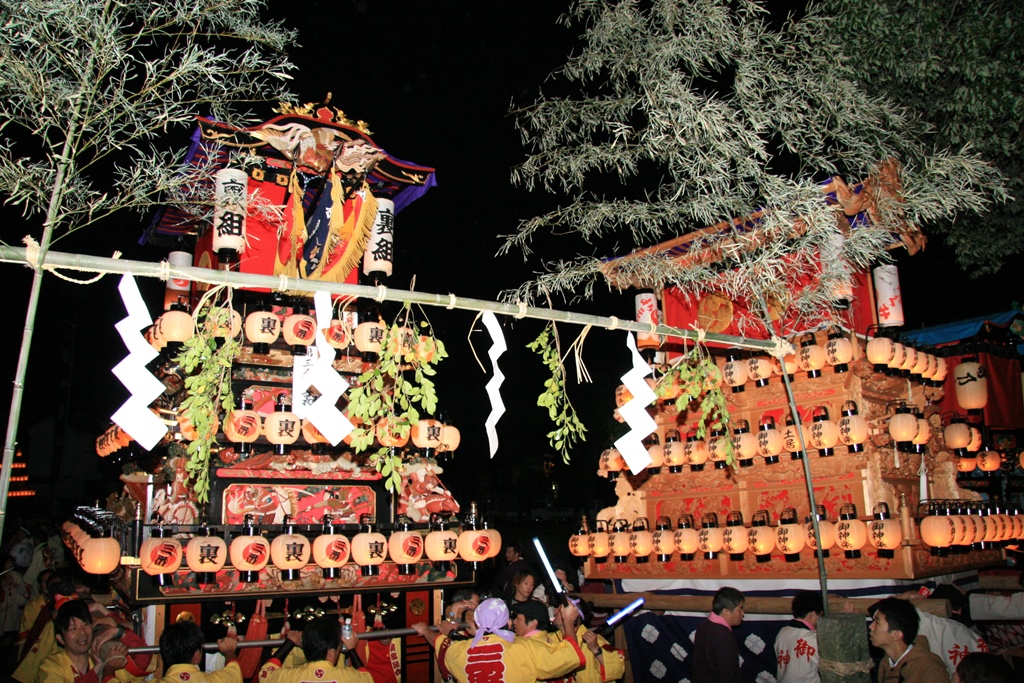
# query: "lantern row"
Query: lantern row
958,525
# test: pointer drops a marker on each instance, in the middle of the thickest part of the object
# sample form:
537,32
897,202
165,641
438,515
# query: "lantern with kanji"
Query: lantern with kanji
899,357
282,427
810,356
441,544
709,538
579,542
369,338
903,428
716,449
473,544
759,369
262,328
205,555
618,540
314,437
826,530
823,433
924,432
405,546
611,461
853,428
942,368
791,438
243,426
641,542
851,533
249,552
734,536
369,547
938,530
695,452
884,532
989,460
761,537
734,372
744,444
686,537
880,351
790,535
769,440
672,452
299,329
957,436
663,541
289,551
161,555
656,453
330,549
971,385
426,436
230,208
598,543
838,350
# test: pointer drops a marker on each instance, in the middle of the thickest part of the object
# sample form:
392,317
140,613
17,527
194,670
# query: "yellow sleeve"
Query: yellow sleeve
232,673
53,671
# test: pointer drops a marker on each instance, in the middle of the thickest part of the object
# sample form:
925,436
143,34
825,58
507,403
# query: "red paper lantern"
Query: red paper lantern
243,426
160,555
299,329
249,552
330,549
405,546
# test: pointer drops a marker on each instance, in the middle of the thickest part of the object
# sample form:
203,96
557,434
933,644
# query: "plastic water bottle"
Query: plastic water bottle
346,632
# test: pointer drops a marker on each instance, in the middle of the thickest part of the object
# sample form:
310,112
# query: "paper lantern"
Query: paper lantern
790,535
826,530
889,300
939,378
176,327
966,464
716,449
672,452
281,427
734,536
622,395
957,436
618,540
405,546
899,355
744,444
787,366
930,369
838,351
389,435
709,538
686,537
924,433
695,452
759,369
289,551
656,453
971,385
380,247
598,543
880,351
579,542
641,541
851,533
810,356
331,549
853,429
249,552
495,536
188,430
612,462
989,460
823,433
964,533
370,548
909,360
903,428
451,437
938,531
647,312
426,349
441,544
230,208
161,555
314,437
299,329
262,328
921,366
769,440
473,544
224,329
663,540
243,426
426,435
884,532
734,372
402,342
974,445
760,537
338,335
369,336
791,439
101,554
975,535
205,555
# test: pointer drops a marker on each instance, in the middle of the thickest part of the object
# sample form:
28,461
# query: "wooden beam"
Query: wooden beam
999,582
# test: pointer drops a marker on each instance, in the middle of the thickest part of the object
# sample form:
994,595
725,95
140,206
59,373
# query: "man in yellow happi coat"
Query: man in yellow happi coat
322,648
181,649
603,661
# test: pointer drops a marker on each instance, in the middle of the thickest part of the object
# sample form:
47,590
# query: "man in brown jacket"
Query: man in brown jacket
906,660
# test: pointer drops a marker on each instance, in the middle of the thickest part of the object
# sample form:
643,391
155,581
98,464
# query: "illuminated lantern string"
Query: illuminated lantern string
687,539
734,536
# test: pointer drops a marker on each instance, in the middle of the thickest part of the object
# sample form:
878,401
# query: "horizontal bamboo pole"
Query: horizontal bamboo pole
999,583
687,603
101,264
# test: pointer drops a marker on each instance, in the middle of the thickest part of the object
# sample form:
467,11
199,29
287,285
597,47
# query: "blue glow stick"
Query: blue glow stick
559,592
614,619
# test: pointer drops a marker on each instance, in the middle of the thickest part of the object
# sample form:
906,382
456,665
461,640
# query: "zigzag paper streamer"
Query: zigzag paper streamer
641,424
494,385
318,371
134,416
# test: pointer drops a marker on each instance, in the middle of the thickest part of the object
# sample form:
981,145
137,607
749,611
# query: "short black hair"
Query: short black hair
727,597
516,548
72,609
532,610
956,597
805,602
179,643
983,667
322,634
899,615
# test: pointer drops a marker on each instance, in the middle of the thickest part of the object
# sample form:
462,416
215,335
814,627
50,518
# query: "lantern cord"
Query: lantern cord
282,283
32,251
614,322
701,332
522,311
165,271
576,349
469,338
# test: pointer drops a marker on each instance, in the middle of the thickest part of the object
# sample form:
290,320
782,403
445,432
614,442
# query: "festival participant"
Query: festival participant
514,563
796,646
981,667
181,649
716,657
322,646
907,657
603,662
495,655
74,661
521,587
530,619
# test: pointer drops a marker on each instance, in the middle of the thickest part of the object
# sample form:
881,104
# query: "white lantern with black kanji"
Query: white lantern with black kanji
734,536
230,211
971,385
206,555
695,452
761,537
369,547
851,533
663,540
884,532
686,537
441,544
790,536
853,428
769,440
838,350
826,529
282,427
734,372
579,542
598,543
618,540
709,537
289,551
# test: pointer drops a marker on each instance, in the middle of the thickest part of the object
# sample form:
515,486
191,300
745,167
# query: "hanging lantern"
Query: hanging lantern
989,460
579,542
921,366
695,452
787,366
441,544
939,378
402,342
761,537
100,554
759,369
330,549
618,540
744,444
262,328
880,352
909,360
930,369
405,546
823,433
838,350
899,356
224,329
161,555
370,548
810,356
243,426
663,541
734,536
473,544
971,385
451,437
389,434
790,535
647,313
826,529
964,526
884,532
188,431
368,337
176,288
230,208
205,555
622,395
853,429
734,372
380,247
598,543
791,439
672,452
957,436
289,551
314,437
889,300
974,445
903,428
281,427
249,552
716,449
176,327
924,433
709,538
769,440
495,539
966,463
938,530
612,462
974,518
299,329
426,436
641,541
851,533
656,453
687,539
338,335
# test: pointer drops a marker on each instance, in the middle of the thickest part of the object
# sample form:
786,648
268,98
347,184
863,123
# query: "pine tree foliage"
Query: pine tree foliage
687,113
93,84
958,65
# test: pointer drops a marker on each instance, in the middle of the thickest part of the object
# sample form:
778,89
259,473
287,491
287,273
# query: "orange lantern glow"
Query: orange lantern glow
243,426
473,544
687,539
612,462
734,372
938,530
957,436
921,366
249,552
205,555
791,439
939,378
579,542
884,532
641,541
495,537
330,549
810,356
390,434
971,385
314,437
909,361
663,540
826,529
880,351
966,464
851,533
924,433
598,543
734,536
903,428
769,440
282,427
759,369
338,335
405,546
709,538
974,445
100,554
176,327
161,555
989,460
672,452
787,366
716,449
790,535
426,435
369,336
656,453
450,439
370,548
262,328
899,356
823,433
299,329
761,537
838,350
618,540
289,551
441,544
695,452
744,444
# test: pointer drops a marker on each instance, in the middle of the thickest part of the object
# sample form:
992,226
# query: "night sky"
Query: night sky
435,81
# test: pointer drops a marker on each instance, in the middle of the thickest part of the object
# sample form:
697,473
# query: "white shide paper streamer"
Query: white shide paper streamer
494,385
640,422
134,416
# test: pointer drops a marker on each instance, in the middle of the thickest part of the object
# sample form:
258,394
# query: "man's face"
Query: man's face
78,638
521,626
733,617
880,635
510,554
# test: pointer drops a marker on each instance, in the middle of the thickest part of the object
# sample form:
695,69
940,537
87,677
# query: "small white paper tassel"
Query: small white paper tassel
494,385
318,371
634,412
